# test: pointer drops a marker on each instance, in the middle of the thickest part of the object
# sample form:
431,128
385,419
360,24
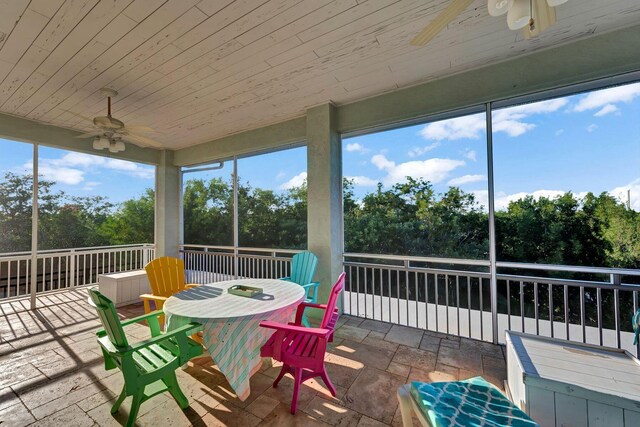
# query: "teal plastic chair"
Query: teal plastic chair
303,268
148,366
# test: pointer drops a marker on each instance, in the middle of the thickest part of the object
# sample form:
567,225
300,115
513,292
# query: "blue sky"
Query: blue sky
586,142
581,143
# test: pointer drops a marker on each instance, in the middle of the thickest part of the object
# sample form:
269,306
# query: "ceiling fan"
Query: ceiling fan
112,133
532,16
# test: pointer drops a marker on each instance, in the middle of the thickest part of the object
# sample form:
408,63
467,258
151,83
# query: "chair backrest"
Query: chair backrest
166,276
331,314
109,318
303,267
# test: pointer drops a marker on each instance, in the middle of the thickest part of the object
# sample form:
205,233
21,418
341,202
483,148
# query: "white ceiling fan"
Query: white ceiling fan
532,16
111,133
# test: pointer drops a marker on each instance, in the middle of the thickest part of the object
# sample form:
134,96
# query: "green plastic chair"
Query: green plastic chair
303,267
148,366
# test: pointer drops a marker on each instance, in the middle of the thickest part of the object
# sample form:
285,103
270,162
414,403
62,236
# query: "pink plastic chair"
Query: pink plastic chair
300,349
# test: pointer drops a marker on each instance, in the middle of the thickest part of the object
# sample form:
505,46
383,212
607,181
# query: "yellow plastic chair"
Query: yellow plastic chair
166,277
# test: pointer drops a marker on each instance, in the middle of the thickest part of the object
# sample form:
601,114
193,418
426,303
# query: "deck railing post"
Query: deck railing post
72,268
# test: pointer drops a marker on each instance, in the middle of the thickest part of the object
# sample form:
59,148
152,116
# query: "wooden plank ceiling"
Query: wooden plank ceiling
198,70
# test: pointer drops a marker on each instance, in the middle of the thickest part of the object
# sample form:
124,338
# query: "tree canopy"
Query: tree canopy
409,218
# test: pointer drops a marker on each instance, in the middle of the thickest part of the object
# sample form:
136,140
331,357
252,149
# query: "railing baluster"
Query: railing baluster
458,302
426,300
616,306
522,305
481,309
599,304
508,282
566,311
437,301
583,321
536,313
551,308
446,298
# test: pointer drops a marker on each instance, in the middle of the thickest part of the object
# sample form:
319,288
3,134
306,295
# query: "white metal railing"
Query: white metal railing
454,296
68,268
208,264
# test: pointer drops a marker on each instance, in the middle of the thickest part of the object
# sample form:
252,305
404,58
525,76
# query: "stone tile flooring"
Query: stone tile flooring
51,374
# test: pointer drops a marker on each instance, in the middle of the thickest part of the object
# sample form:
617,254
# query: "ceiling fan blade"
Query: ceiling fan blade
88,135
140,140
440,22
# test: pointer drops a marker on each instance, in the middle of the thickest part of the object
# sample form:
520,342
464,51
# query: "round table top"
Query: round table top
211,301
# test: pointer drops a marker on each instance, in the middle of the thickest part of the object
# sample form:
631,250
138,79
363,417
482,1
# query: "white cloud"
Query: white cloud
467,127
466,179
631,190
607,109
90,185
434,170
419,151
508,120
592,127
71,168
601,99
362,181
281,175
471,155
354,147
296,181
60,175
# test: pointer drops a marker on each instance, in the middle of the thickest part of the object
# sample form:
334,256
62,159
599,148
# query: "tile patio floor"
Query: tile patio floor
51,374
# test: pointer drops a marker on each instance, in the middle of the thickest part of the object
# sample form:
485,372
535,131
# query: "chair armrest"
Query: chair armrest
182,330
311,285
192,285
313,305
153,297
288,279
318,332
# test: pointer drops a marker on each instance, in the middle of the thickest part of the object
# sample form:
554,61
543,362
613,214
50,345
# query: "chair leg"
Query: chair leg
297,378
327,381
119,401
135,407
284,370
174,388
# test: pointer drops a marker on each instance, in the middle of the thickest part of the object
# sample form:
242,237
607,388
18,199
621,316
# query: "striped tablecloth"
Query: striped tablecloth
232,334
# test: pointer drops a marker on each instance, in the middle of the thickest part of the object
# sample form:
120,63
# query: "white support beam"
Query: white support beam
324,194
167,209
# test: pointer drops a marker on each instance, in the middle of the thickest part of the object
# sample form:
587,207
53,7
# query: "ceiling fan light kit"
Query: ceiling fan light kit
519,14
530,16
499,7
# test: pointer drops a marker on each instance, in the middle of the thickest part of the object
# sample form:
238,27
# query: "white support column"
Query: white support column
324,184
33,287
167,212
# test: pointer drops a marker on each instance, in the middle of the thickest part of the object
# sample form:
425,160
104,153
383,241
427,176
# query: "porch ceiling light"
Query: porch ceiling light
530,16
116,146
101,142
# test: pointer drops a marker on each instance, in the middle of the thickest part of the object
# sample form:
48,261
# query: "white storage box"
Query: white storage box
124,288
560,383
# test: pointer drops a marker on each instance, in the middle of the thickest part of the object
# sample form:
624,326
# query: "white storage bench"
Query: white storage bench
124,288
561,383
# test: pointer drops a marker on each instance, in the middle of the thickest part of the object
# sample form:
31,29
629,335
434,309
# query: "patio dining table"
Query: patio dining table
231,324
